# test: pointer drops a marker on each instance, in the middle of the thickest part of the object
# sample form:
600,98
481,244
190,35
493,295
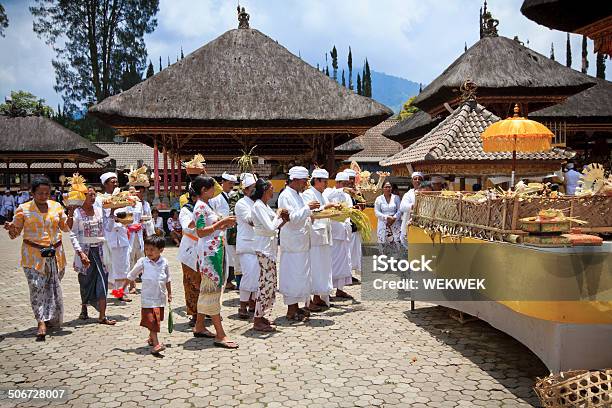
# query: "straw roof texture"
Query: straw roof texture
242,78
500,66
36,135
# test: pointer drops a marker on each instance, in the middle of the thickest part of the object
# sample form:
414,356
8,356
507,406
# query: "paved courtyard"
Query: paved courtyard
366,354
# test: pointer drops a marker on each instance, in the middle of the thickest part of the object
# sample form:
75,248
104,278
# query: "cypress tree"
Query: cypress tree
601,66
585,53
182,55
318,69
358,84
368,80
420,87
343,80
568,52
327,71
160,66
334,56
552,51
150,71
350,67
465,47
168,61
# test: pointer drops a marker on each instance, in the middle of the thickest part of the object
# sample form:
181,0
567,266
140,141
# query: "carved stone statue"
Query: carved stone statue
243,18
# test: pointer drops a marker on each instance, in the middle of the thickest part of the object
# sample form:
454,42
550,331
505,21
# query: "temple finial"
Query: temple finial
488,25
243,18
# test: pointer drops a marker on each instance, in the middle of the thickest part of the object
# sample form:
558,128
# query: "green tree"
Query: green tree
92,40
366,85
182,55
150,71
343,79
131,76
22,103
350,68
601,66
160,65
568,52
552,51
465,47
327,71
334,56
358,84
408,109
4,21
585,54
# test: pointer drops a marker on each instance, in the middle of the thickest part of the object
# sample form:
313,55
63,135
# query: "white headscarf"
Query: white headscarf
298,172
229,177
342,176
248,180
350,172
320,173
104,178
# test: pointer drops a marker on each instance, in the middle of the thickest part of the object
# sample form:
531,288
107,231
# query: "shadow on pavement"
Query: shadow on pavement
511,363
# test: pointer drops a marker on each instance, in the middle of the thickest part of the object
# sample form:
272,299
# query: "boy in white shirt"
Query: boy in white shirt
156,287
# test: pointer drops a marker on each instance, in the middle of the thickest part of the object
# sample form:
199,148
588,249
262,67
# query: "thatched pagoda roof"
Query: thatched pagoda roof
415,126
457,139
351,147
34,138
241,79
566,15
592,105
502,67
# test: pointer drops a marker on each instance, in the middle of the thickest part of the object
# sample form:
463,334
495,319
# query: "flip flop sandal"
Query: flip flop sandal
125,299
303,312
226,344
243,315
158,349
344,296
41,336
107,321
205,334
297,317
265,329
150,342
83,316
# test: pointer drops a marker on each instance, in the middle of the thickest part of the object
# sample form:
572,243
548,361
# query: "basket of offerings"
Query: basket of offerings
138,177
78,189
341,212
196,165
118,199
547,221
577,388
124,218
367,186
493,214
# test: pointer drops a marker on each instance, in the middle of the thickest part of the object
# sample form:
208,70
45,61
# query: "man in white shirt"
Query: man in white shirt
341,256
407,204
117,244
245,251
220,204
320,243
294,271
571,178
8,206
355,247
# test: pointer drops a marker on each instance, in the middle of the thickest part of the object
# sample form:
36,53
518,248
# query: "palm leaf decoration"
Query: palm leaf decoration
246,162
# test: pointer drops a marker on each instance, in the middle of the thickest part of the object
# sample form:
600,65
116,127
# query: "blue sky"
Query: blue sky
414,39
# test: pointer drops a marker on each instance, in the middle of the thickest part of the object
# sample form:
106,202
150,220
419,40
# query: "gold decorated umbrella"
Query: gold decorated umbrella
516,134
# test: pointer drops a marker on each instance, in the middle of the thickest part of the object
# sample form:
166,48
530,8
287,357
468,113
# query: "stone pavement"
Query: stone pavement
368,354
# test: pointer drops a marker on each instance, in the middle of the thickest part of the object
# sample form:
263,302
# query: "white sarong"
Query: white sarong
321,271
294,279
341,264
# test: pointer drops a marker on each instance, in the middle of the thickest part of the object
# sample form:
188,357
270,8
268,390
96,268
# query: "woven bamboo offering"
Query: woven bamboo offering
460,214
579,388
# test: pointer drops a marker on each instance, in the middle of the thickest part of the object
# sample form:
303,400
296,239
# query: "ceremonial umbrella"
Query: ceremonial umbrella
516,134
